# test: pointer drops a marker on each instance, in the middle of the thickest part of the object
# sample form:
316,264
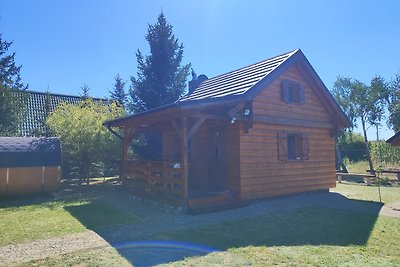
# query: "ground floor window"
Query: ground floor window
292,146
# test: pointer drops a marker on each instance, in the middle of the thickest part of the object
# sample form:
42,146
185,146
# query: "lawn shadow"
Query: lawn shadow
310,219
325,219
17,201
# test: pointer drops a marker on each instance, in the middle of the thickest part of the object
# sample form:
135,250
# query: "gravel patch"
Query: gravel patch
51,247
392,210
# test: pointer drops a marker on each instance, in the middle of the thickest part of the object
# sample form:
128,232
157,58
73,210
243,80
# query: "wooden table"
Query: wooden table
397,172
367,177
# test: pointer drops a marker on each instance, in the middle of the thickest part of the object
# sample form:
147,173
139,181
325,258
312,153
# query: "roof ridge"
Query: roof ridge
267,59
58,94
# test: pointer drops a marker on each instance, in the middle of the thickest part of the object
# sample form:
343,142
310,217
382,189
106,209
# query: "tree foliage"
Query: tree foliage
12,97
85,91
394,104
160,77
86,143
363,102
118,92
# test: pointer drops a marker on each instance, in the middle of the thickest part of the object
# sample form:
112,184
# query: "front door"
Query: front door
217,160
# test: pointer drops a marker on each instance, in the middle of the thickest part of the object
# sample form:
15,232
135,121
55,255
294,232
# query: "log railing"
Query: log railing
160,179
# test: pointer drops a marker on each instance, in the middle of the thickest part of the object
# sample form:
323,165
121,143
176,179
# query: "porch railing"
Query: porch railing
159,179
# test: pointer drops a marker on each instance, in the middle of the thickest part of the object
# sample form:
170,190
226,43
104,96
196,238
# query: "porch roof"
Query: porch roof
240,85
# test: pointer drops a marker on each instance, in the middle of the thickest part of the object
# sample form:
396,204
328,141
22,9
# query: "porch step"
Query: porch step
214,203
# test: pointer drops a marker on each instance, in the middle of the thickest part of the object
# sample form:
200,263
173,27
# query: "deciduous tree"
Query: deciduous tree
85,140
394,104
363,102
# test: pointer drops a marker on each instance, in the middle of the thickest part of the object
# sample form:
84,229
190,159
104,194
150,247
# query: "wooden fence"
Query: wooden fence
153,178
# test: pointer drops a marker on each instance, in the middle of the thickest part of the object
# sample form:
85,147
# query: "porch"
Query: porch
197,156
163,181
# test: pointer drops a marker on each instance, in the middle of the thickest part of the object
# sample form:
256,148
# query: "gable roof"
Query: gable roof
29,151
395,139
237,82
35,115
243,85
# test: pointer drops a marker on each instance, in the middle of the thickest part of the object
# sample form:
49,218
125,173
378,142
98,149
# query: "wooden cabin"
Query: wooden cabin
394,140
29,165
260,131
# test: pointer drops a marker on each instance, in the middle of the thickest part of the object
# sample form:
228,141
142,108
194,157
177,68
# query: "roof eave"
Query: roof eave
117,122
394,138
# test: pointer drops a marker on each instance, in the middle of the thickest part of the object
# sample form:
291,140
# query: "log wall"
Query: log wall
24,180
262,174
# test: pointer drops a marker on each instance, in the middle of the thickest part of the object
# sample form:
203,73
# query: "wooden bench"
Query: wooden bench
397,172
367,177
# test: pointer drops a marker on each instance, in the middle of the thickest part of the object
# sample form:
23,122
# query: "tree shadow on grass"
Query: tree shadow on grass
317,219
25,200
99,213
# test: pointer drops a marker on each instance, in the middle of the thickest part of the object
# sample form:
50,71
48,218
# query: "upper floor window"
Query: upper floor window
292,92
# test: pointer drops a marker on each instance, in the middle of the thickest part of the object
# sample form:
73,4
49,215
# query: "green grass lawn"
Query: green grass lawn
389,194
37,217
302,237
312,236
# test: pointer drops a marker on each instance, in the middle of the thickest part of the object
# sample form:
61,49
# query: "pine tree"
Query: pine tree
160,77
85,92
12,97
118,93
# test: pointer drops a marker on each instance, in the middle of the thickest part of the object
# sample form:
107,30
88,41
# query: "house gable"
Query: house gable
269,103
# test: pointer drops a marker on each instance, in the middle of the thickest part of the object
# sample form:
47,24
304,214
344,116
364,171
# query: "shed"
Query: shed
394,140
29,165
267,129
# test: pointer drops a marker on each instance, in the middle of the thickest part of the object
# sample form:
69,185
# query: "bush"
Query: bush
89,149
384,153
352,147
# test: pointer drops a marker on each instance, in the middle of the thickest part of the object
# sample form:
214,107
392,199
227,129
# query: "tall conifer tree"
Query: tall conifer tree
12,99
160,77
118,93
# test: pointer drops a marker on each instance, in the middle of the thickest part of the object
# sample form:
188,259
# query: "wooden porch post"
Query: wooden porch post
124,153
185,157
127,139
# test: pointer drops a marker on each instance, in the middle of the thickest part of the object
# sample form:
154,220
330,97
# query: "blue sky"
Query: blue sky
64,44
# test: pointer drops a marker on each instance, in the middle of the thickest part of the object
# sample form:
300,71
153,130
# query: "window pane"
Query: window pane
295,147
291,147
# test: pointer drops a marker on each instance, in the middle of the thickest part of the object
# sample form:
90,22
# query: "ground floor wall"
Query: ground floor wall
213,155
264,174
23,180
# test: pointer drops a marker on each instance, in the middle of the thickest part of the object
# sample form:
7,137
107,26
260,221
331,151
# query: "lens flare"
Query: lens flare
153,252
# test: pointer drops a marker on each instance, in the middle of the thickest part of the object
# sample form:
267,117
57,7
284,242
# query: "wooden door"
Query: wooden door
217,164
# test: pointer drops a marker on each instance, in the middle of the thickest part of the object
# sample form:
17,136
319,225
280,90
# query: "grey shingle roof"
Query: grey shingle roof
29,151
35,115
243,85
236,82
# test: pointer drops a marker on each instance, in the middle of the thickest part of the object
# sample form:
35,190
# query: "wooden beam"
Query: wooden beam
292,122
185,157
195,127
209,116
114,132
124,159
176,128
233,112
